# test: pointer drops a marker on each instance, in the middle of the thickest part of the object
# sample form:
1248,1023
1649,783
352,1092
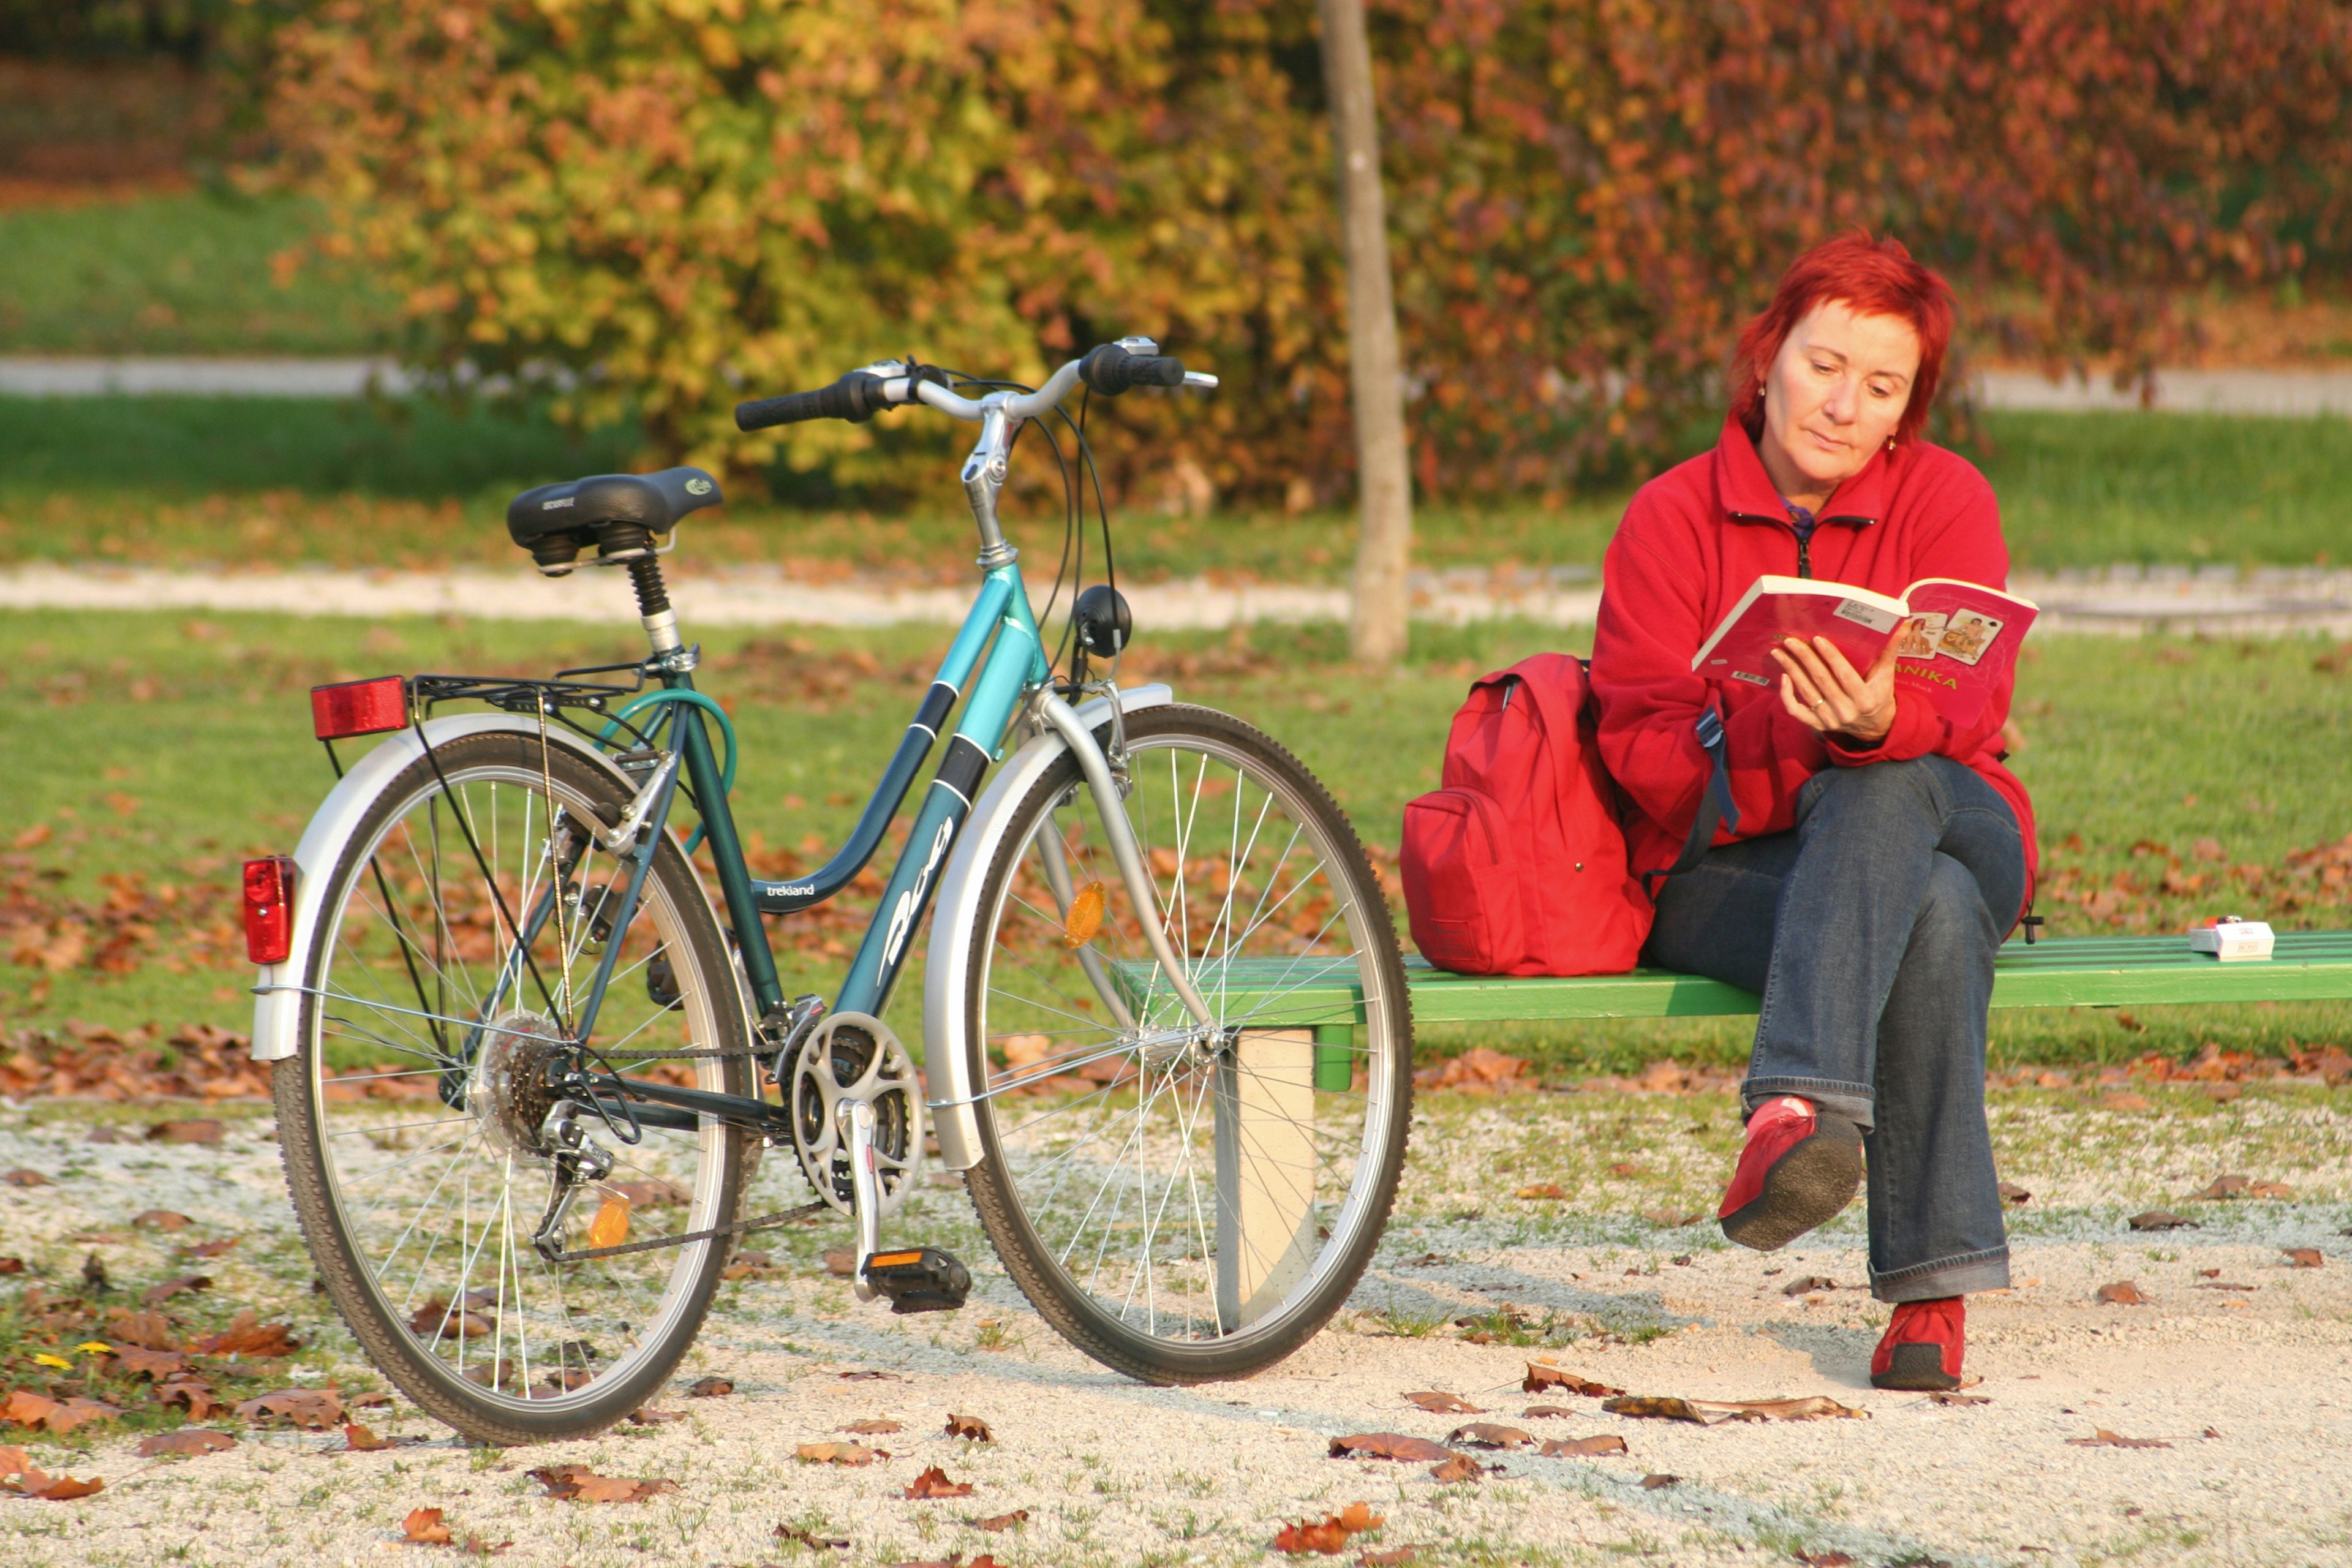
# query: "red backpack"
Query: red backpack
1516,865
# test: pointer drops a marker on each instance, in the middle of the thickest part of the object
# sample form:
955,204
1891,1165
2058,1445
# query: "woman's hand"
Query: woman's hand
1820,688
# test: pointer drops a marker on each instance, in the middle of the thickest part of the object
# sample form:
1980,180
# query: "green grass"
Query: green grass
184,480
176,274
167,748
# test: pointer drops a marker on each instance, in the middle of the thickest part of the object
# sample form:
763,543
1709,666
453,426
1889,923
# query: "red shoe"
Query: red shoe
1923,1346
1800,1166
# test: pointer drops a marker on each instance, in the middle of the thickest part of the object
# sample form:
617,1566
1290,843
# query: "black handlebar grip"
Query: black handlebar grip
856,398
1111,370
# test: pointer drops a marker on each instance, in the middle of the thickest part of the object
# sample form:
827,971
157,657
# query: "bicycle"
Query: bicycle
524,1071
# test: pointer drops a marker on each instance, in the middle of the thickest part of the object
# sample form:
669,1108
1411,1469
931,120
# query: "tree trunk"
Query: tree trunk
1383,479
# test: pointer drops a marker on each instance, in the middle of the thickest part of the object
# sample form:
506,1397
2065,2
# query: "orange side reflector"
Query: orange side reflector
611,1225
1085,916
892,1259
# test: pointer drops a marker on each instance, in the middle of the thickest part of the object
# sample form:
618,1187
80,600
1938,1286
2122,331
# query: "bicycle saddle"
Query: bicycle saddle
617,513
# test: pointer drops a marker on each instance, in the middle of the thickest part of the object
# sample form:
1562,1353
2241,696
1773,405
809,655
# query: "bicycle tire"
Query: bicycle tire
360,957
1236,1303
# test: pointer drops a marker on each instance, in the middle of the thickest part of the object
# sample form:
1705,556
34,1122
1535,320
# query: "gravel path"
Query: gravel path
2250,1389
2124,600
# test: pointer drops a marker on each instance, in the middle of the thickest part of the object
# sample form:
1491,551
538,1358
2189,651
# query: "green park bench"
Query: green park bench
2056,972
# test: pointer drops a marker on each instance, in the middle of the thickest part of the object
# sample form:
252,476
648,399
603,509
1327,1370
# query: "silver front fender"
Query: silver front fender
278,1001
947,977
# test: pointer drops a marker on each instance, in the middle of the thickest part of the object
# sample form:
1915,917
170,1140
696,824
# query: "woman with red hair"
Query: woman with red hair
1871,855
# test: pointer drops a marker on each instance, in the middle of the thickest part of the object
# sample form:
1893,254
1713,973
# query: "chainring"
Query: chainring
854,1055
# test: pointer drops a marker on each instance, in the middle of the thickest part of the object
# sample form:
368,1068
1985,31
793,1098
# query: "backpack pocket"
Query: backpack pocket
1461,892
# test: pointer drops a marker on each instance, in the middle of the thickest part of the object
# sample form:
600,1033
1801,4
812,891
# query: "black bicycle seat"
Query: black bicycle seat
619,514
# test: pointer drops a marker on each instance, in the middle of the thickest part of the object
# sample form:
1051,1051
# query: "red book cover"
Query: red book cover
1954,640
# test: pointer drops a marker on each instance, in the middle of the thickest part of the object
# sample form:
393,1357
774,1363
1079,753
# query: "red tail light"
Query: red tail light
358,707
270,909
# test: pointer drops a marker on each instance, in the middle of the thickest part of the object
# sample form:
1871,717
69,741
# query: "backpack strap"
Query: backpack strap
1715,807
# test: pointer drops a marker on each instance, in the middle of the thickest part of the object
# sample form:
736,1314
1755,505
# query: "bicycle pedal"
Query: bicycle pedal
918,1280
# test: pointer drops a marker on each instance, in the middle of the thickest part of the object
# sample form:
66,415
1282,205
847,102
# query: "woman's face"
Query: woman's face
1833,396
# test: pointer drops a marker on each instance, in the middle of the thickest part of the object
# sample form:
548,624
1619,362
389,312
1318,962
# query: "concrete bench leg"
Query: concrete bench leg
1265,1172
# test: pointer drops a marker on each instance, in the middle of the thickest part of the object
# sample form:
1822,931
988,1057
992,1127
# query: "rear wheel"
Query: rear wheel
1183,1203
413,1119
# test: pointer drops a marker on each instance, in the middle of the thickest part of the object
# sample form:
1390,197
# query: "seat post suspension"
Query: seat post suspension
653,603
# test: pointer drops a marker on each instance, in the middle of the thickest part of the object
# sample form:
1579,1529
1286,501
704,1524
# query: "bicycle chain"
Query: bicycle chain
765,1222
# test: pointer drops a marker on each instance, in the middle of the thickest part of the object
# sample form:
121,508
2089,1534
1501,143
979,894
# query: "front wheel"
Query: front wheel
414,1116
1187,1202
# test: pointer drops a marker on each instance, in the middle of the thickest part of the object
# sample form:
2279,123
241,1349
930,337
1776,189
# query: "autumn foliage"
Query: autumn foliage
661,207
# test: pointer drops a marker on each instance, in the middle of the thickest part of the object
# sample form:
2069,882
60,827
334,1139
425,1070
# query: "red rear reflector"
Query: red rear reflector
358,707
270,909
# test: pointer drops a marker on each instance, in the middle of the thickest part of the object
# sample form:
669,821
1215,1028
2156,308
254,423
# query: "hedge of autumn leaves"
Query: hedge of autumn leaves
689,198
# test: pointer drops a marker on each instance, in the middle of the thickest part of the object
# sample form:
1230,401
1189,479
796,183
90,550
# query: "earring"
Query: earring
1890,443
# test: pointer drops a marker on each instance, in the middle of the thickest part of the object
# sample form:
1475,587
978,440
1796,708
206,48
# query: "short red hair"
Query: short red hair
1877,277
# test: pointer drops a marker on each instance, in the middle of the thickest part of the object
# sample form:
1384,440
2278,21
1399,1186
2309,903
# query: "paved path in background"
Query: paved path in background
2260,392
2124,600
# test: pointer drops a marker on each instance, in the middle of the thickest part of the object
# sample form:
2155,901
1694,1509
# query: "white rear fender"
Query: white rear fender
947,977
278,999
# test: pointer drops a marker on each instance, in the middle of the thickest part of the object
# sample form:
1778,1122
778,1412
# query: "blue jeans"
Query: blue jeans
1871,929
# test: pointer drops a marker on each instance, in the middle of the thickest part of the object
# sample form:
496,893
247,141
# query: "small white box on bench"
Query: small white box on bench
2232,940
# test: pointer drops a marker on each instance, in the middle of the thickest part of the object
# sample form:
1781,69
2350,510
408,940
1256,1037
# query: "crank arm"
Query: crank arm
855,1118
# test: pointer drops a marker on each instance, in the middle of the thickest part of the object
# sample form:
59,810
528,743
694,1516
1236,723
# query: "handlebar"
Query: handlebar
1110,369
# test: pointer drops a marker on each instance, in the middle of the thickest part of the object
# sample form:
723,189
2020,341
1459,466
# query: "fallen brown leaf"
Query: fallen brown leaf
26,1408
2224,1188
802,1537
1824,1559
873,1426
1443,1403
156,1295
1949,1396
1385,1446
970,1426
2305,1257
150,1330
12,1265
139,1362
997,1521
14,1460
1710,1412
2103,1438
358,1439
161,1220
578,1483
1654,1483
248,1335
213,1248
1672,1219
1607,1443
1547,1190
869,1376
1459,1468
188,1440
841,1262
1542,1375
1394,1557
424,1527
2010,1193
644,1417
934,1483
315,1409
1808,1283
1539,1412
2277,1191
834,1454
22,1177
1488,1435
37,1483
710,1388
2161,1219
193,1393
203,1129
2123,1100
2122,1293
1327,1536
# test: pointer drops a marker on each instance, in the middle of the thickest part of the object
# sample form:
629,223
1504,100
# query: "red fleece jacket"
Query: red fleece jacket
1693,541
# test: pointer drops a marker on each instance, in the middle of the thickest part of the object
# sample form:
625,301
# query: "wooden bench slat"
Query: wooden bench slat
2058,971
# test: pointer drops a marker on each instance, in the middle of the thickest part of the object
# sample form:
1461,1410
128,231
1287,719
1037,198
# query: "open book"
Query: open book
1954,640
